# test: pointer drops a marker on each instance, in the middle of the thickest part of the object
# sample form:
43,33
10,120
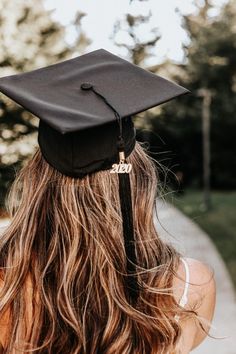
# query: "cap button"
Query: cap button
86,86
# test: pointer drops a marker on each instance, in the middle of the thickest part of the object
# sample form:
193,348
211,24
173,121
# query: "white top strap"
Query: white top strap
184,298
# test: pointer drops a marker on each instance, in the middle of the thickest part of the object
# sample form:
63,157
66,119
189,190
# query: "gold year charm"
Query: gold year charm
122,166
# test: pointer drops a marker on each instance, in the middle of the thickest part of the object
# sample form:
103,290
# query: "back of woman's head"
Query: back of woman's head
66,233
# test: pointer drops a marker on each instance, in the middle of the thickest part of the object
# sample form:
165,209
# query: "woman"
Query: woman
63,258
65,294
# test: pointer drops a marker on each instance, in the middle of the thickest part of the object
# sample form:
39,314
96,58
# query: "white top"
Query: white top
184,299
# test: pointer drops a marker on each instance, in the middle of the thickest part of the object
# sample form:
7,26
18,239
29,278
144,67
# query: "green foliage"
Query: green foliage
211,64
29,39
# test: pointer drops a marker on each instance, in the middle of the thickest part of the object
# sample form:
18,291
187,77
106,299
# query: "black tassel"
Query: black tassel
125,204
128,232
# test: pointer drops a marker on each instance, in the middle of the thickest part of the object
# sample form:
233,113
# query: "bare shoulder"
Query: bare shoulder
201,296
202,286
201,278
199,270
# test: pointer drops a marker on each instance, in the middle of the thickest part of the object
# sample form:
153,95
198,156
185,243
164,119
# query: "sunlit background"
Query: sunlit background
190,42
166,18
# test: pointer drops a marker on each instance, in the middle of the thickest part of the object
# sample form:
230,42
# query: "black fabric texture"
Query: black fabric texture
80,153
54,93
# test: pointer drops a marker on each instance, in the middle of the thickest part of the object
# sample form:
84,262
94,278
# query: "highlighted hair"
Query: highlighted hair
65,249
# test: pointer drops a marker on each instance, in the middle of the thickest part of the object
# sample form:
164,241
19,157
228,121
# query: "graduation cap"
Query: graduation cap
85,106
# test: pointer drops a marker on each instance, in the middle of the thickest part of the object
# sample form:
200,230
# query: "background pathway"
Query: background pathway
194,242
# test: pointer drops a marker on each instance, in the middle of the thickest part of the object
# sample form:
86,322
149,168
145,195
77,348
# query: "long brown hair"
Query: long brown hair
67,234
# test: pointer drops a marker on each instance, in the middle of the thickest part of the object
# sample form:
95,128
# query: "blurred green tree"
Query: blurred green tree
210,64
29,39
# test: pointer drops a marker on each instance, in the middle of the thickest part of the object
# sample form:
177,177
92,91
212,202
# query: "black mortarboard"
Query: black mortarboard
85,106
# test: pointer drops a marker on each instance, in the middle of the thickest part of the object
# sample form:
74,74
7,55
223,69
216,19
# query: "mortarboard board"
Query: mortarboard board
85,106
